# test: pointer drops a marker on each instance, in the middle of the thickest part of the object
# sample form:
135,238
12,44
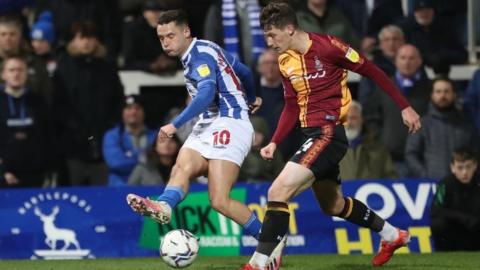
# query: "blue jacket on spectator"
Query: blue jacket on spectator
121,155
472,99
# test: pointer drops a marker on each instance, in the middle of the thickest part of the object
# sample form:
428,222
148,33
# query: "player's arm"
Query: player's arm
204,74
289,117
204,97
346,57
410,118
288,120
246,77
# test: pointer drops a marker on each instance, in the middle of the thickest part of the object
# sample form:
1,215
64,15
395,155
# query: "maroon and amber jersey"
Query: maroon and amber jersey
318,79
315,83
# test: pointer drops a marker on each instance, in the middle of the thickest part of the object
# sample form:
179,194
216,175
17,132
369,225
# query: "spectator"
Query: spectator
369,16
254,167
391,39
43,42
323,16
455,212
148,54
271,89
444,129
435,40
366,158
235,26
42,61
67,13
11,39
25,129
381,113
88,100
158,167
472,100
124,146
12,43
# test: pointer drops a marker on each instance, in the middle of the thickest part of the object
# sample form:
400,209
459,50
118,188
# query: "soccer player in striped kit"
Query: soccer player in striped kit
314,69
222,137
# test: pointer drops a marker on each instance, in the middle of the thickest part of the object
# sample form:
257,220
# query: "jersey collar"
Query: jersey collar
187,52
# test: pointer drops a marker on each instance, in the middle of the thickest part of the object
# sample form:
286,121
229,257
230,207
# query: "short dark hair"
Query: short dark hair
11,21
444,79
19,57
175,15
278,14
85,29
463,154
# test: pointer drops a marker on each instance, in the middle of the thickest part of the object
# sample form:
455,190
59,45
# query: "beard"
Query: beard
352,133
444,105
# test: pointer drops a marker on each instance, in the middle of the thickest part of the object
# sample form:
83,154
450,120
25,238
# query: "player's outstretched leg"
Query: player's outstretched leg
189,165
293,179
222,174
333,203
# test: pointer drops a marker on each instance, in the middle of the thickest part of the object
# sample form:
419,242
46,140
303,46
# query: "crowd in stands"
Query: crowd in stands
65,121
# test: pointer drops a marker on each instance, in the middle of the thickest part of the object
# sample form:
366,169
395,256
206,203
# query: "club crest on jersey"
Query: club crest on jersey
352,55
318,64
203,70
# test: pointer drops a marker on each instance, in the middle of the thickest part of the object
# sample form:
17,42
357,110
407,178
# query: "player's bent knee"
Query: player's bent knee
279,192
219,203
183,169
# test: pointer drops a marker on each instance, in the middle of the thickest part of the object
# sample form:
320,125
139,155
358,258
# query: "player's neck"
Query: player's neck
300,41
187,45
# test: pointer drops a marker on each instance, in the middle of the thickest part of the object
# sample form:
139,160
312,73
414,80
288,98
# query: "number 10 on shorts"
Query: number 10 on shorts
221,137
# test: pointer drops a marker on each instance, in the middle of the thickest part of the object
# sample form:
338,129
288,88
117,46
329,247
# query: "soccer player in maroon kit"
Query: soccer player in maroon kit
314,70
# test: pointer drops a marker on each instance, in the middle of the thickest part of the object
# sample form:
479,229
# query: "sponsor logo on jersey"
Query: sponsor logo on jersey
203,70
352,55
315,75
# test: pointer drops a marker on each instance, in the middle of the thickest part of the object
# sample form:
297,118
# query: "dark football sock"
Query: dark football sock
275,226
358,213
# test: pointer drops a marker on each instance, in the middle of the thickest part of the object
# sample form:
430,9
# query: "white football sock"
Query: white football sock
258,260
388,232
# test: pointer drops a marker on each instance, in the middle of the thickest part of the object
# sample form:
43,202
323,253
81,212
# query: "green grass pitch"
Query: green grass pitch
436,261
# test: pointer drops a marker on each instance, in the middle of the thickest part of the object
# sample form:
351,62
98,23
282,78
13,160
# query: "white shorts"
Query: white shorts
223,138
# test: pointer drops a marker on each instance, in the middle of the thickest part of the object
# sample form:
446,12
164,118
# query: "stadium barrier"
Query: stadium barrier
72,223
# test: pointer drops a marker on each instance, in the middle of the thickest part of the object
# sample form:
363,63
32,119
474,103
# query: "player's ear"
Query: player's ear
290,29
186,31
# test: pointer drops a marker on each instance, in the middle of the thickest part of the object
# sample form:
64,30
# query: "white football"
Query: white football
179,248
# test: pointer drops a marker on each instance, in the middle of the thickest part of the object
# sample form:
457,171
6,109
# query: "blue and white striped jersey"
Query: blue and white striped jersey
205,63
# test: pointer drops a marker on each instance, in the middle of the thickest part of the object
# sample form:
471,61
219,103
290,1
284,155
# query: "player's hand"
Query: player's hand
165,132
255,105
11,179
267,151
411,119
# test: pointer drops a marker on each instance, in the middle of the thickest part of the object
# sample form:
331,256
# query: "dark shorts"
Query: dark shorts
321,151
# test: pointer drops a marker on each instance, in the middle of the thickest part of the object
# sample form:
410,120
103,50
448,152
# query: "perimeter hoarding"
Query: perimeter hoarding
97,222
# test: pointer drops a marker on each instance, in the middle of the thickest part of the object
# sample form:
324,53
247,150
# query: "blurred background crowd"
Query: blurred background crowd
65,119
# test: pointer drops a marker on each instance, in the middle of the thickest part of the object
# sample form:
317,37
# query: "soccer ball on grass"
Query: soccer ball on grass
179,248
